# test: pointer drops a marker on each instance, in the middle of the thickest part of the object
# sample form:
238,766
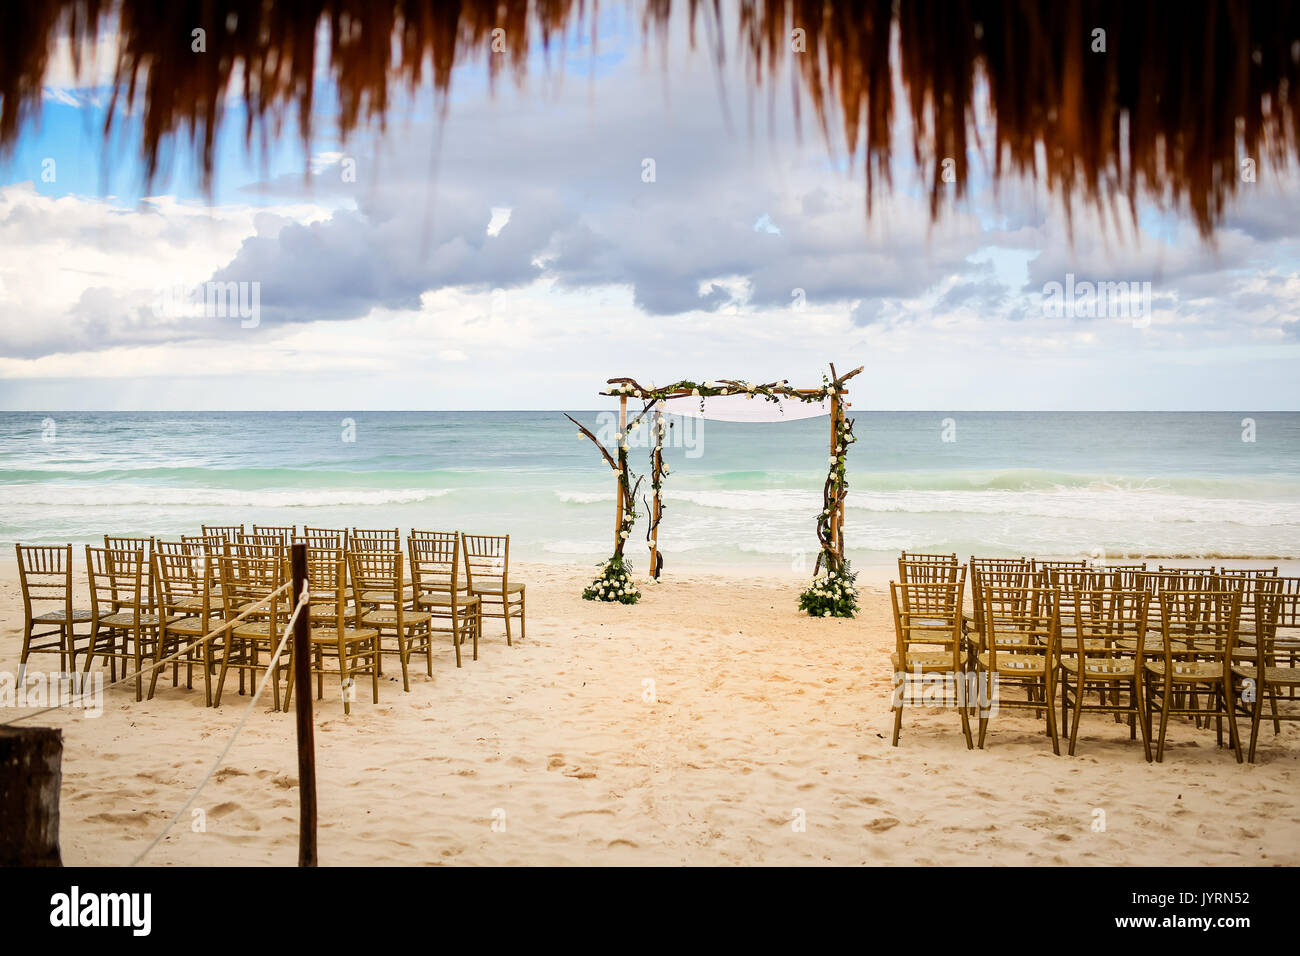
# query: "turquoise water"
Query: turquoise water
1158,484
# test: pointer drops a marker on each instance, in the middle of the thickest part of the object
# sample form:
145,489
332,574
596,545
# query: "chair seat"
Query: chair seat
127,619
196,603
192,625
443,599
1190,671
1289,676
379,597
925,661
510,589
350,635
79,616
257,630
1114,669
1015,664
390,617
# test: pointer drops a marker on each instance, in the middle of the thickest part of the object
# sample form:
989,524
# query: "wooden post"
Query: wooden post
306,731
31,771
618,491
835,434
656,466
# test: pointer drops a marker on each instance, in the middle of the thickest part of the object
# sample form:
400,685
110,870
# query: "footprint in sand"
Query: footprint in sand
881,824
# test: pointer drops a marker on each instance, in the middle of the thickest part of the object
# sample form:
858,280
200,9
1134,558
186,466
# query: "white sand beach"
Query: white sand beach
709,724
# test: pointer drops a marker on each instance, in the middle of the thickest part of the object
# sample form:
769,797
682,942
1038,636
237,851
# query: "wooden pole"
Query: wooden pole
31,772
618,491
656,466
306,731
835,434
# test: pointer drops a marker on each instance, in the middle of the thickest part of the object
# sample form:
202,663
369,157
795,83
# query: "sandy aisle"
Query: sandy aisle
756,717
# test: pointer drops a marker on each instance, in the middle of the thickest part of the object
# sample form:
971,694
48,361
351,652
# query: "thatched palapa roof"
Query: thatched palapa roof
1181,95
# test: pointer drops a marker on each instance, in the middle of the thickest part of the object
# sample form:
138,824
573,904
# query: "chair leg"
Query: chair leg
1166,693
1230,701
900,690
1256,712
1138,701
505,612
1049,697
1078,710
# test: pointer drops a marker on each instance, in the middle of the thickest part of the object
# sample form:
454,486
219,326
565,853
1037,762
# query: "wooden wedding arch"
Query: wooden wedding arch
833,392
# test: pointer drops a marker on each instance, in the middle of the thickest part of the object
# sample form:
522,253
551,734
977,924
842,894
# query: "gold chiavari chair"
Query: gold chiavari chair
1198,634
1270,671
188,609
377,576
441,590
354,648
45,577
1108,657
125,626
929,647
1022,645
487,574
252,582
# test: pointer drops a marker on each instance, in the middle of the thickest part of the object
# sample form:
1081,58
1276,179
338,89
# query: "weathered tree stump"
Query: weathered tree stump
31,761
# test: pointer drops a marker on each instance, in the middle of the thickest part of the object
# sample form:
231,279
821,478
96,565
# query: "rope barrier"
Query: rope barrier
159,663
248,711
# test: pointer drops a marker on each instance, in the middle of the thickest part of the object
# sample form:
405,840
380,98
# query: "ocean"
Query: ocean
1106,484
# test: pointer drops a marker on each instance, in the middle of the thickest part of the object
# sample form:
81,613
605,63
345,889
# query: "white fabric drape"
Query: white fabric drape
741,408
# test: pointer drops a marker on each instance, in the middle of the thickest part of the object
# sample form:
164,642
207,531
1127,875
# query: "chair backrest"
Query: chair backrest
375,539
487,561
341,534
1267,601
435,561
1022,622
285,533
1288,612
997,564
1128,573
1021,576
376,571
1074,579
130,544
922,571
1198,572
316,542
228,532
920,557
185,580
327,580
249,578
1111,623
1248,572
1198,624
117,581
1059,563
928,613
45,576
261,546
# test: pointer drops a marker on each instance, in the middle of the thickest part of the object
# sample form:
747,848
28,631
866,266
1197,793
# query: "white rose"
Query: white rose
695,392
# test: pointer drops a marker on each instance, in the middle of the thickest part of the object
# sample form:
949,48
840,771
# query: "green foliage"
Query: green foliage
613,583
831,595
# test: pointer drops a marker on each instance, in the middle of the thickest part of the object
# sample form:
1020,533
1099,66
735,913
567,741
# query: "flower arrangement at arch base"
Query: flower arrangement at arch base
832,594
613,583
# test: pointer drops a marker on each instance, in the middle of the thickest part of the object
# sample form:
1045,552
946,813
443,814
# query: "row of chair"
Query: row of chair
150,599
1206,643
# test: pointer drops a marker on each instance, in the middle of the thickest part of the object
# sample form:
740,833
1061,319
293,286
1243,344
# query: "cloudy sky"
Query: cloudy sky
513,255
